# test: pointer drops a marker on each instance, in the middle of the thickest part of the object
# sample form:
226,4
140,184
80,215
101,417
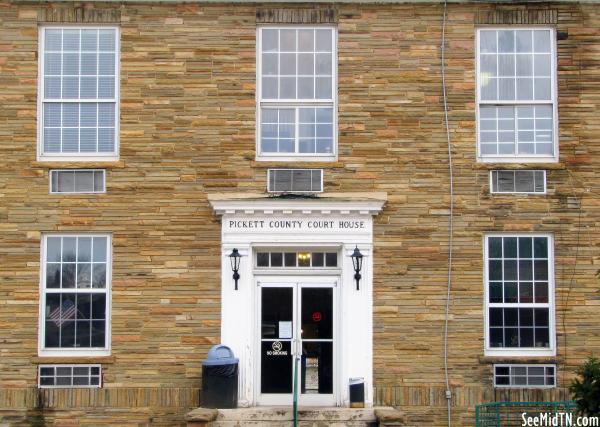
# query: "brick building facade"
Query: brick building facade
180,119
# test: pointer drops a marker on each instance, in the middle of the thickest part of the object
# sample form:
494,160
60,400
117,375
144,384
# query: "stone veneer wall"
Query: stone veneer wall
188,128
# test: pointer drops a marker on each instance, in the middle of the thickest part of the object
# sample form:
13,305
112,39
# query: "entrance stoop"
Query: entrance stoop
282,416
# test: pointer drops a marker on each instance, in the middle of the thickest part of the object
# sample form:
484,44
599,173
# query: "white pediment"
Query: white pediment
332,204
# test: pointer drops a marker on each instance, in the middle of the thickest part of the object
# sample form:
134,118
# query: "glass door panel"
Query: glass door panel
317,313
294,318
317,340
317,368
277,325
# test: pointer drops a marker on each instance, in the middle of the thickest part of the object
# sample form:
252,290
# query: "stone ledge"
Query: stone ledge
389,417
526,165
266,164
73,164
522,359
104,360
201,415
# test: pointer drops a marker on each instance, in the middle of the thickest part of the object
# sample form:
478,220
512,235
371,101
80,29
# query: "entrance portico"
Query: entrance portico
290,307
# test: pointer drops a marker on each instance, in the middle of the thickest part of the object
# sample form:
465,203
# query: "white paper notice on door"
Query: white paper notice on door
285,330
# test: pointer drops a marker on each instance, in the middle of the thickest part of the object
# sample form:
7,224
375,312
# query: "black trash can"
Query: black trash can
357,392
220,378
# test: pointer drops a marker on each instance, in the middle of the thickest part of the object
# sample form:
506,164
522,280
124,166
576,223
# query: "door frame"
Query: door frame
297,282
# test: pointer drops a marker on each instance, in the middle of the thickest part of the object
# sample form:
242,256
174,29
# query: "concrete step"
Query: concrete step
282,416
289,424
284,413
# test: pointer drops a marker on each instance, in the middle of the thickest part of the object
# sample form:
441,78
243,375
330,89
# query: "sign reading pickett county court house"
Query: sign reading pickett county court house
294,224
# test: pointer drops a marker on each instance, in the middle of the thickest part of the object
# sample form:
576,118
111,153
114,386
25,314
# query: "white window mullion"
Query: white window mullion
297,130
516,119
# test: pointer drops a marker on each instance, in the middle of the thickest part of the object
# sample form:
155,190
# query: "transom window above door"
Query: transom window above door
516,94
296,85
293,259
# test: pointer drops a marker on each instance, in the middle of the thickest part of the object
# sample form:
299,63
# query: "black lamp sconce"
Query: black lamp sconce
357,260
234,258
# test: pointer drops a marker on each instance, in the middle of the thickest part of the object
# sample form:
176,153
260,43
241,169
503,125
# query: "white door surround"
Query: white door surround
340,223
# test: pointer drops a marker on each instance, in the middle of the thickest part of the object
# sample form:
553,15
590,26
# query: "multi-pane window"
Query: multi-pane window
277,259
297,84
78,92
516,94
524,376
75,300
69,376
519,294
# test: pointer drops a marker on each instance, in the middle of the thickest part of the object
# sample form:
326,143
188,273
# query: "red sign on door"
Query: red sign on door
317,316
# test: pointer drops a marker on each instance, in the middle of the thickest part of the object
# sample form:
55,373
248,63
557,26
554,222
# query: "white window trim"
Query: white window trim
75,352
520,351
90,157
75,365
282,103
523,365
64,193
533,193
515,158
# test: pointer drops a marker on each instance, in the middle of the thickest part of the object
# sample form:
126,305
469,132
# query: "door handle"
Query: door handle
297,347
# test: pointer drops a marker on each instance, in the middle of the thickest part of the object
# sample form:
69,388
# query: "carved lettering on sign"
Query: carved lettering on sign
295,224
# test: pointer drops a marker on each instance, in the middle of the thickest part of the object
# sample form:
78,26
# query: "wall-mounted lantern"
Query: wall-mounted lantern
357,259
234,258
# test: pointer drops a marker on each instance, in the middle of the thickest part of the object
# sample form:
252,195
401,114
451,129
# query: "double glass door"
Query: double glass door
297,323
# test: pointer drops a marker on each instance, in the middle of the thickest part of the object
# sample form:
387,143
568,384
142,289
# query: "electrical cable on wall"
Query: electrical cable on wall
451,217
565,300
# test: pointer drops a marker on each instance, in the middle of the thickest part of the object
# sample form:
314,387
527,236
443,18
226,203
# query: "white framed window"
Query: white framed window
69,376
518,181
524,376
78,97
75,295
294,259
77,181
296,93
517,118
519,295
